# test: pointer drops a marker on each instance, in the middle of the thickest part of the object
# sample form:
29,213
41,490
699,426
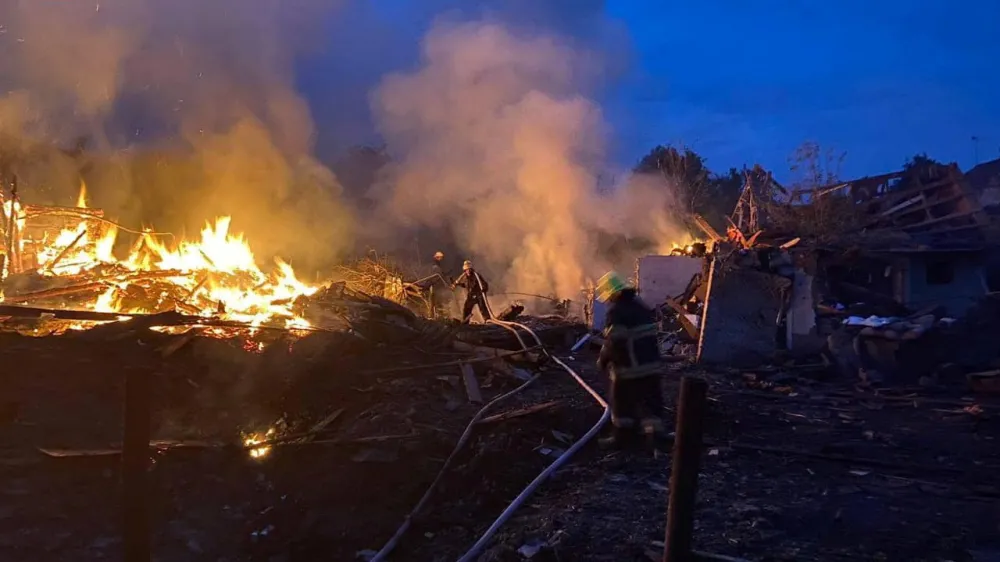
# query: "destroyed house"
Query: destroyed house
930,232
950,279
900,243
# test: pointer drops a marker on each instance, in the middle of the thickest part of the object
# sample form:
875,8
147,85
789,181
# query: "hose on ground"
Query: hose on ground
508,512
381,555
480,544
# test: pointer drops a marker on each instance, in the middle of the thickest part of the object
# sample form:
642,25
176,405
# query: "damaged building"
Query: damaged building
851,273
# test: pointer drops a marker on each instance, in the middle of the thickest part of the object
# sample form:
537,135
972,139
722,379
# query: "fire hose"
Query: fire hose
530,489
508,512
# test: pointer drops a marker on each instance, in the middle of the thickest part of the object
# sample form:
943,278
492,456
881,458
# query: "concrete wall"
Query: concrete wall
659,277
801,336
966,288
739,327
665,276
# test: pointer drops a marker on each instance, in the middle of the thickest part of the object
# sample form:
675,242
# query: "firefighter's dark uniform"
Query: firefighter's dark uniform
437,288
631,355
475,294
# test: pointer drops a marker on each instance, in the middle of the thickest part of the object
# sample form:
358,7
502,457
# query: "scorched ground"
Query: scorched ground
857,476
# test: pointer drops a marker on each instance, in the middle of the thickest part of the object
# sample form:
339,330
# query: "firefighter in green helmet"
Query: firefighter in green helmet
631,357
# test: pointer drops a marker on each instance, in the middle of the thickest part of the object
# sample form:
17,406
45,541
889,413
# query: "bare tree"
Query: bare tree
814,167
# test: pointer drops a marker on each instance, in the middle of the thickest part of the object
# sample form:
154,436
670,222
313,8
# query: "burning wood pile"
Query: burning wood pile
377,274
63,258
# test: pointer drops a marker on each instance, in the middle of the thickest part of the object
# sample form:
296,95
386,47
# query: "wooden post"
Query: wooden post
431,298
135,463
9,232
691,405
705,311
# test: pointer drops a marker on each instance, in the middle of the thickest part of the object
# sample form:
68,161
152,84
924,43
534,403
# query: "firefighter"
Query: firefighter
437,287
475,292
631,356
434,286
438,267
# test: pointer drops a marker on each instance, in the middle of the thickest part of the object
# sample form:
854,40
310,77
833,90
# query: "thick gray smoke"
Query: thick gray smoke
497,143
188,108
190,111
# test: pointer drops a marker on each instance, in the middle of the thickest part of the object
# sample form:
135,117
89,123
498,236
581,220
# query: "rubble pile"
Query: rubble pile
280,404
885,287
264,438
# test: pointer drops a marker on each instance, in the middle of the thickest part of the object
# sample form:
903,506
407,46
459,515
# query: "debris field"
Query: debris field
794,468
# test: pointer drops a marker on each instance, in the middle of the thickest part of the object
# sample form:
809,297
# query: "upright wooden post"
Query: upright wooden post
135,463
691,405
704,313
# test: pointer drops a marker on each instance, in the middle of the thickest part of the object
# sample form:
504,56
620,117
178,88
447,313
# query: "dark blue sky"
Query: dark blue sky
739,82
742,81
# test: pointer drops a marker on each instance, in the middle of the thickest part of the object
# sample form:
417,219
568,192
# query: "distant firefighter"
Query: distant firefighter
438,294
439,269
475,292
435,286
631,356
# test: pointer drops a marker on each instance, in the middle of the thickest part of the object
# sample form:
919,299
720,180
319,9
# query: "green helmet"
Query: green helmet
608,285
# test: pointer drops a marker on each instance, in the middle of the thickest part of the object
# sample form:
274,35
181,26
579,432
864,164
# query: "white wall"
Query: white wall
665,276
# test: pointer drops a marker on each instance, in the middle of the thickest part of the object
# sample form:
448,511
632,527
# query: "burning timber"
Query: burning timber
63,258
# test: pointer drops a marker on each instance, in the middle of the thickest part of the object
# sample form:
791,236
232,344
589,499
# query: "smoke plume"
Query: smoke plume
496,141
188,109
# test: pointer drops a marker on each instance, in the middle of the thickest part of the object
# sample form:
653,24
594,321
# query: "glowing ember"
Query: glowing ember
250,440
694,248
216,275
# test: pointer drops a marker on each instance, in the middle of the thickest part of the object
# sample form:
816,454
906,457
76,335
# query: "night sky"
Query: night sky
739,82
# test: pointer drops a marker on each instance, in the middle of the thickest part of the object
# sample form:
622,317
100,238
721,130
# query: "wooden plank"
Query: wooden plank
504,416
322,424
709,231
689,327
471,384
705,310
77,453
496,352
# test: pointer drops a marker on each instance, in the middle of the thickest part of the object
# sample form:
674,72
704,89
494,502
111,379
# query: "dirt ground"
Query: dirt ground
794,469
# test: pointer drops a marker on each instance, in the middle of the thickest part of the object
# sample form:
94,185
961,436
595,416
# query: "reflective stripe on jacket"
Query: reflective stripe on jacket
630,349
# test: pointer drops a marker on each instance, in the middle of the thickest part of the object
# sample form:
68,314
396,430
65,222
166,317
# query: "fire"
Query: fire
250,440
692,248
81,199
216,275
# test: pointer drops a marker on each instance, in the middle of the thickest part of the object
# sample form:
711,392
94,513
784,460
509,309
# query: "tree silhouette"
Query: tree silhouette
710,195
813,167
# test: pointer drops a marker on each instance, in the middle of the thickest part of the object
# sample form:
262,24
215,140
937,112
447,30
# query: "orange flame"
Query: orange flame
81,199
217,275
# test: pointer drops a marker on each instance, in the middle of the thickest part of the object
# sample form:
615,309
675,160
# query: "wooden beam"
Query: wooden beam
471,384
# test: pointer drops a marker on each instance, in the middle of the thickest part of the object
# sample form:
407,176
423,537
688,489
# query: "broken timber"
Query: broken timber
496,353
504,416
130,321
456,363
471,384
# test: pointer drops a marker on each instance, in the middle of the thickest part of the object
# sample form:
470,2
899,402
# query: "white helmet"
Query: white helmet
439,255
466,265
